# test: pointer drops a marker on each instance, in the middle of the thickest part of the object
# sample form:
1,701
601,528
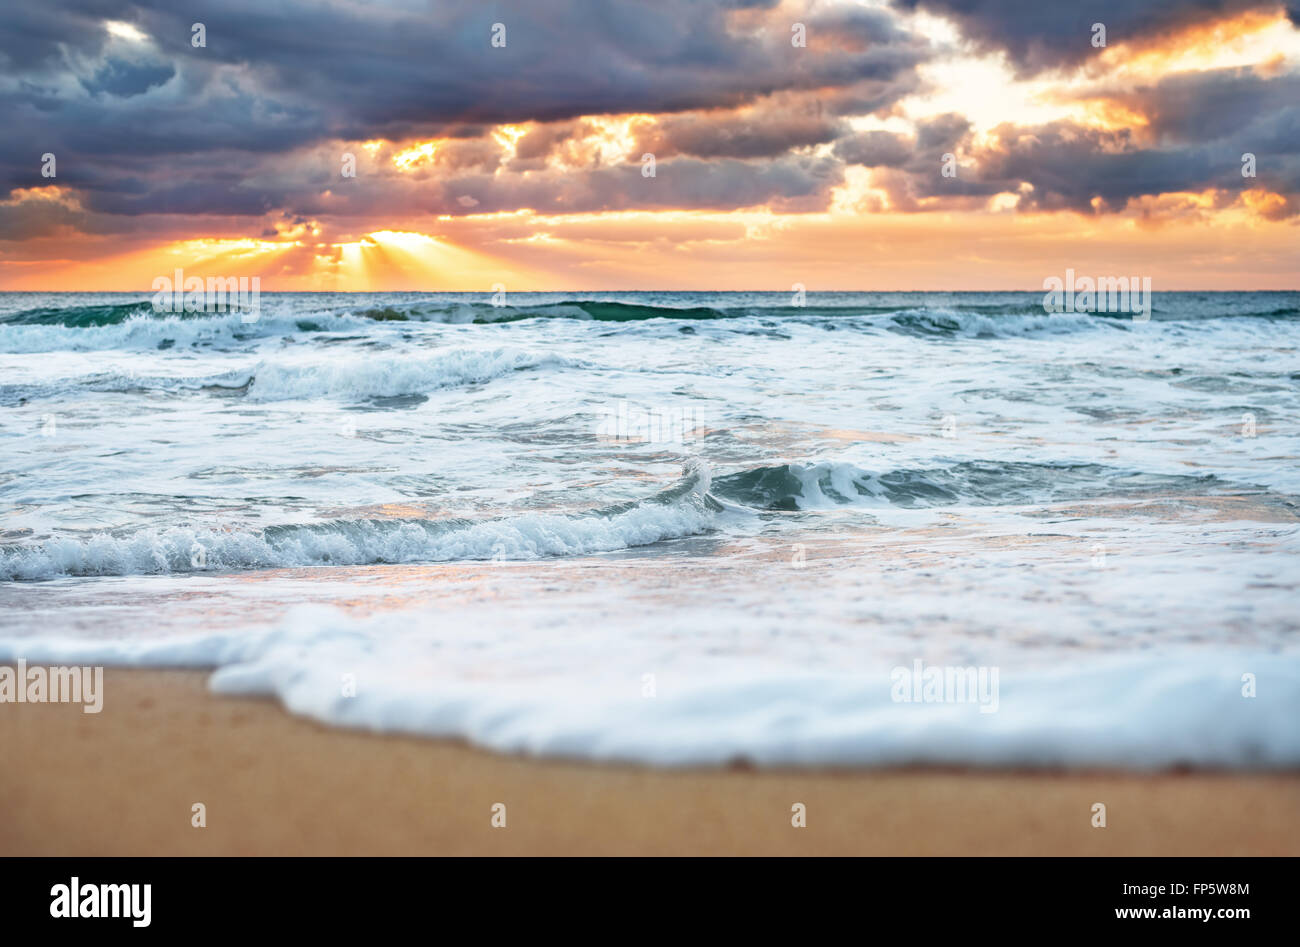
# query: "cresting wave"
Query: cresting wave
471,310
692,506
388,376
228,330
684,509
281,379
977,483
135,325
145,331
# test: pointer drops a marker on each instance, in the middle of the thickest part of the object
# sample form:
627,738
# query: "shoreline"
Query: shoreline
124,782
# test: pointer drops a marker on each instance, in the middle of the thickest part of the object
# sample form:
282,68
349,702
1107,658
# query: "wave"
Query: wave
424,674
354,379
138,329
388,376
596,311
689,507
78,317
828,484
99,316
135,325
957,315
972,322
683,509
958,323
964,316
142,331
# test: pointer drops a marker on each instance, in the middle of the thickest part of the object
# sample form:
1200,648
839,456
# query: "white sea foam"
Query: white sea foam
149,332
510,682
391,375
973,325
1106,510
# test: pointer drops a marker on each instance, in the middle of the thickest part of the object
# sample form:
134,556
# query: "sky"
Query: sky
666,144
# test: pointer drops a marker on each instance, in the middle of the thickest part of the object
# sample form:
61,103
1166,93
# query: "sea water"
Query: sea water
677,528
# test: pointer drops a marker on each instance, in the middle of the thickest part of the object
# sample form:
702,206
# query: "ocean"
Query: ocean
678,528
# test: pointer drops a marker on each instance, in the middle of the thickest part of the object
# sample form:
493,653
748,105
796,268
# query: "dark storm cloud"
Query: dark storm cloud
875,149
1068,166
27,219
681,183
863,27
871,96
1039,36
540,141
801,182
33,35
122,78
921,153
764,133
1226,103
940,134
1200,125
163,126
366,70
482,153
251,125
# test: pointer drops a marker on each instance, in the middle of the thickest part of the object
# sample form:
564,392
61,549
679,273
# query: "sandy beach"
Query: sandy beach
123,782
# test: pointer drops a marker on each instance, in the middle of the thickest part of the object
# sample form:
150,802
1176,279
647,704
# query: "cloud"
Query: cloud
122,78
254,124
1194,130
1199,126
875,149
38,212
1220,104
1038,36
770,131
144,122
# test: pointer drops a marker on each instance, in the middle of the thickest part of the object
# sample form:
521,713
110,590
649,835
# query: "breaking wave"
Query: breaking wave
683,509
390,376
976,483
134,324
692,506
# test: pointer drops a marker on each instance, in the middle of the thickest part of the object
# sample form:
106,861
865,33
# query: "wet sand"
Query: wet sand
124,782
